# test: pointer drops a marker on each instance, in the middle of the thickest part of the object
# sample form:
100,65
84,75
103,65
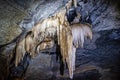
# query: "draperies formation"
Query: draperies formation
55,28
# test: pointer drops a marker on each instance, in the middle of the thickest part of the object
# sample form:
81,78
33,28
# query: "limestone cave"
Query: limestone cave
59,40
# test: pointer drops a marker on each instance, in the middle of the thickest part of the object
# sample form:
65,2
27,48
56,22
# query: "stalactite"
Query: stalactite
30,44
79,32
20,51
69,37
69,58
47,44
71,3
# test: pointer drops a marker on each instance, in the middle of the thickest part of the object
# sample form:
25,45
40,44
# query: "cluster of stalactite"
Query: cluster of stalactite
55,30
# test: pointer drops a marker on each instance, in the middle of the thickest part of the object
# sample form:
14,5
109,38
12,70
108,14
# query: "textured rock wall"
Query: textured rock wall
17,16
9,17
94,60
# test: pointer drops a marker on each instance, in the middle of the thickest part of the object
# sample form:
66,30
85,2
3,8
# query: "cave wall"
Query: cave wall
19,16
16,18
104,16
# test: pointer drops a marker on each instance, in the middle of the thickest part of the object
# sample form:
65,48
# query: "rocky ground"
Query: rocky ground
98,60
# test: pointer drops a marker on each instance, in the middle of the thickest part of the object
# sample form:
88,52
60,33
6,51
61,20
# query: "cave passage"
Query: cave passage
97,60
